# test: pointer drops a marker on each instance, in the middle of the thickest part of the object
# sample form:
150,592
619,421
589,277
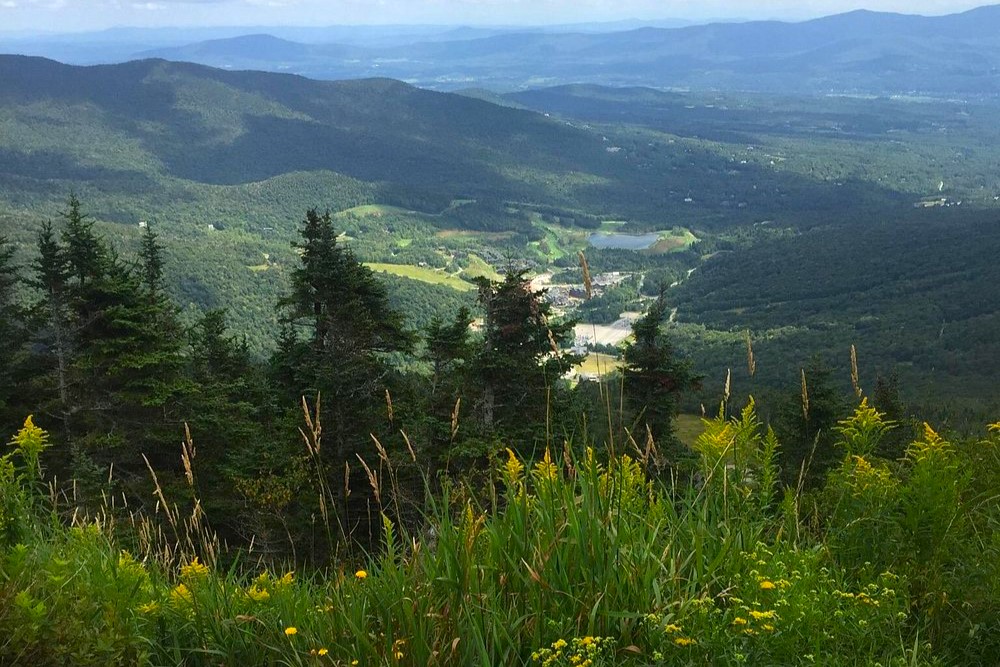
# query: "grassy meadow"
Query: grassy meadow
579,558
423,274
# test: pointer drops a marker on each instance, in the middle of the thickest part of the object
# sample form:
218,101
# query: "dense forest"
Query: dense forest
372,493
432,203
377,375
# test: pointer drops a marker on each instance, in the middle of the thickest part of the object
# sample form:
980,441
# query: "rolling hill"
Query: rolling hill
860,51
224,163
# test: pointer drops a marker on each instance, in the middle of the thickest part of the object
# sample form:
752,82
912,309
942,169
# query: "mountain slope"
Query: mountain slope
856,51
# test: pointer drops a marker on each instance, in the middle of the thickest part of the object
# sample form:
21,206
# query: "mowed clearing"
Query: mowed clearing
423,274
598,364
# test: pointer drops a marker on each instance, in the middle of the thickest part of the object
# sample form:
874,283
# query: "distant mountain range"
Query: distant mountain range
856,52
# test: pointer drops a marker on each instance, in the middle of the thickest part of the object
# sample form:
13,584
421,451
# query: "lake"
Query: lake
605,240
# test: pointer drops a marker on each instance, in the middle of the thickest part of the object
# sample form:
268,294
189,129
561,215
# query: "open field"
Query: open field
423,274
599,364
605,334
687,428
676,239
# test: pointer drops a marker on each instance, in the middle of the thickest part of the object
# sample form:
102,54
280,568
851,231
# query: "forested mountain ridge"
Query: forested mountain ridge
859,51
372,129
442,189
222,163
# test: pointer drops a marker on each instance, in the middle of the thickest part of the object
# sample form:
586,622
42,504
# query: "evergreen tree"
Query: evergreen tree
521,360
338,327
654,377
226,406
152,260
12,335
448,350
52,332
447,345
110,345
804,426
85,254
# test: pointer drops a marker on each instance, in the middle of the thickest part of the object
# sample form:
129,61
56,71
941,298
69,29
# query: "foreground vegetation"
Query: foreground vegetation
574,559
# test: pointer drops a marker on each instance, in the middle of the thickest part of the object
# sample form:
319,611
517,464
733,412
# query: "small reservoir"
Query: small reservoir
605,240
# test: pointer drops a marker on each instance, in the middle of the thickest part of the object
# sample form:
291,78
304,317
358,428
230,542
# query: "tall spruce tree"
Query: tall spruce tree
12,335
109,343
654,377
806,417
52,333
521,361
448,350
338,327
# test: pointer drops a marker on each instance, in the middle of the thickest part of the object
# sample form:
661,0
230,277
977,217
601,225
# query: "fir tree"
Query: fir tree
111,346
12,334
152,260
52,331
338,327
654,377
521,360
447,345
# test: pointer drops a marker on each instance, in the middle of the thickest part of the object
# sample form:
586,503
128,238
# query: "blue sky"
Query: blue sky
74,15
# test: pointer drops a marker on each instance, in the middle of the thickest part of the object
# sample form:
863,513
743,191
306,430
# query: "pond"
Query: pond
605,240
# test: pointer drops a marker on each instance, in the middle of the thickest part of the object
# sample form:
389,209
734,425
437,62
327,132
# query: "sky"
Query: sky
78,15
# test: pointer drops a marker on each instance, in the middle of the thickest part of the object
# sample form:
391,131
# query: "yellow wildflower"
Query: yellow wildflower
559,644
290,631
180,596
258,594
323,651
286,579
685,641
149,608
512,469
194,570
361,574
769,627
546,469
766,585
672,628
761,615
739,620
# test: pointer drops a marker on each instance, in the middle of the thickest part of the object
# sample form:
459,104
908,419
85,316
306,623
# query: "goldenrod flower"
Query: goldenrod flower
361,574
194,570
512,469
290,631
672,628
739,620
685,641
258,594
180,596
546,469
761,615
766,585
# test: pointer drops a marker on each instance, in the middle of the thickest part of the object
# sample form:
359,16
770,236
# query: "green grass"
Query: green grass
585,558
373,211
688,428
674,240
480,268
423,274
597,363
